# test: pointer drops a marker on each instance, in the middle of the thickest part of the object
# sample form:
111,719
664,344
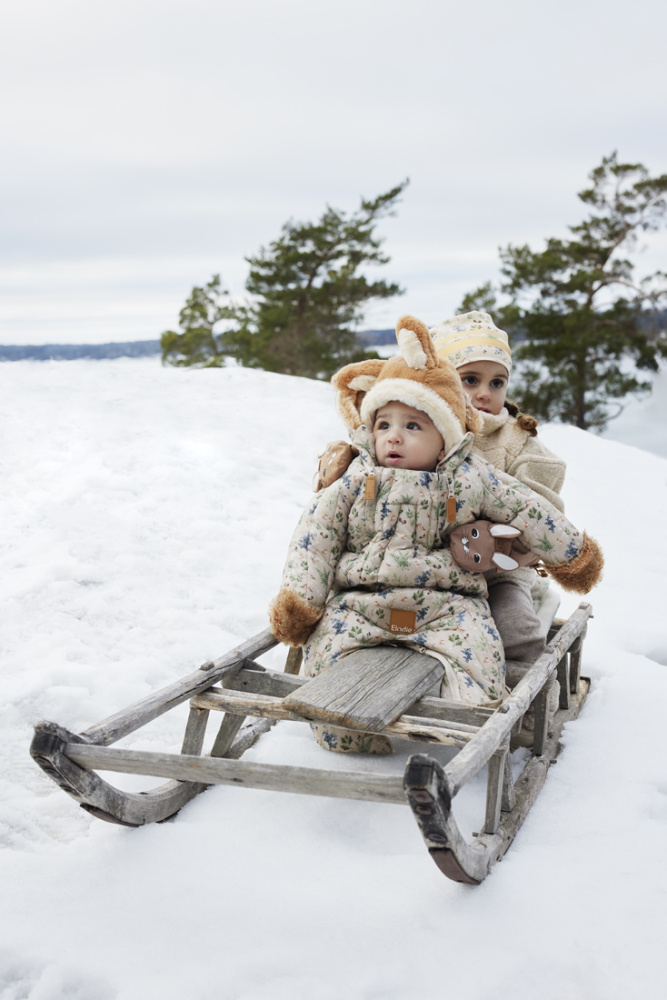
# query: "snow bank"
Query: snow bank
146,512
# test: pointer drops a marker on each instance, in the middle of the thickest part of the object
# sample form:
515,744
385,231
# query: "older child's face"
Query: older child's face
406,438
486,384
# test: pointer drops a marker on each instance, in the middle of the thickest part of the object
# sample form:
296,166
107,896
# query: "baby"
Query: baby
372,550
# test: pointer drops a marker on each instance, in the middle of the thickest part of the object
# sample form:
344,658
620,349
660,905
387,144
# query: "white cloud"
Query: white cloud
194,130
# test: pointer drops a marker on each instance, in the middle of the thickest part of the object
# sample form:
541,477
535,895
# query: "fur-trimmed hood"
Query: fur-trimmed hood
417,377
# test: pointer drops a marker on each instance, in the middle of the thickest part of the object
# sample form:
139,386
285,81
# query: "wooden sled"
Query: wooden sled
378,690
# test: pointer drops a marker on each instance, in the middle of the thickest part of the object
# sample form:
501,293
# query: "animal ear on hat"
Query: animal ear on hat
352,383
415,343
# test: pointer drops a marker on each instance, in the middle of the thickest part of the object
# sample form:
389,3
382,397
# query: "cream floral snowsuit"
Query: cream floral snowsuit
363,557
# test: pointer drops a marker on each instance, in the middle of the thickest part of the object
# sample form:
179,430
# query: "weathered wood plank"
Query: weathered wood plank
195,731
494,788
245,703
221,771
97,796
575,662
367,689
563,678
508,797
267,682
130,719
449,732
450,711
229,727
248,736
478,751
541,716
293,661
419,730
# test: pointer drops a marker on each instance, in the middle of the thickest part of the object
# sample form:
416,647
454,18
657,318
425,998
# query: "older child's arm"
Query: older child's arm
540,470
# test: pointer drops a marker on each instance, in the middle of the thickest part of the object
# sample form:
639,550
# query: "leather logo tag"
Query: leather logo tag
403,622
451,510
369,493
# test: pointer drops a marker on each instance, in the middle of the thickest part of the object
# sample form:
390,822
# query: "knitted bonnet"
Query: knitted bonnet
415,376
470,337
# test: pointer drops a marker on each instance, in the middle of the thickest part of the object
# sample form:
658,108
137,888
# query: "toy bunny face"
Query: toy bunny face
482,545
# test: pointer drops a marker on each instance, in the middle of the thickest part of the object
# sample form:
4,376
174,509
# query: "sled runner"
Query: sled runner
376,690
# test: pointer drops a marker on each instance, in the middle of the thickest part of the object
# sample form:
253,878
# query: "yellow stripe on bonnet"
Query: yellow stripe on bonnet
485,339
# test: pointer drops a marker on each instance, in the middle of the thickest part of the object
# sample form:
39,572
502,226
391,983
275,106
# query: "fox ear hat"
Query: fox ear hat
415,376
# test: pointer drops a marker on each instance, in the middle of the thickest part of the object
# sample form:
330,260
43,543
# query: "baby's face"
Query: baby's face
486,384
406,438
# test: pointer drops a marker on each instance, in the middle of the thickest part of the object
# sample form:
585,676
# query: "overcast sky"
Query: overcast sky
146,144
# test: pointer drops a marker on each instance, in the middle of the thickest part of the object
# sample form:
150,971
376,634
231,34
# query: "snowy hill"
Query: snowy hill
146,513
643,422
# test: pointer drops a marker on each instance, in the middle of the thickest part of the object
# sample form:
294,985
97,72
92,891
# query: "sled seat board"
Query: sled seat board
367,689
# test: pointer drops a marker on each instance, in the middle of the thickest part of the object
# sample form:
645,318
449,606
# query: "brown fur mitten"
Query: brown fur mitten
334,461
583,572
292,618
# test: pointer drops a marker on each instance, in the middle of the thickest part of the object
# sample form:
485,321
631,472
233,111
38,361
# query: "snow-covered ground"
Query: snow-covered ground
643,420
145,516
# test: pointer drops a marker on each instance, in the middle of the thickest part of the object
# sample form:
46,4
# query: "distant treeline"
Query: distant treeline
71,352
133,349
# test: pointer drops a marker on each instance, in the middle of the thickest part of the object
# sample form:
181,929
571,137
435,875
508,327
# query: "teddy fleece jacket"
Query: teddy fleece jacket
376,541
503,442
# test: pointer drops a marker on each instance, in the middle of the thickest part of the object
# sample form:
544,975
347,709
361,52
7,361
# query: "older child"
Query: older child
374,545
481,354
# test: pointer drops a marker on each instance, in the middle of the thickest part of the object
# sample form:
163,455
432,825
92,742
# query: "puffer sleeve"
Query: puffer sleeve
540,470
569,555
316,546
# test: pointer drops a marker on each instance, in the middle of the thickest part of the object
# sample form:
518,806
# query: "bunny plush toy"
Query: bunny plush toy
483,545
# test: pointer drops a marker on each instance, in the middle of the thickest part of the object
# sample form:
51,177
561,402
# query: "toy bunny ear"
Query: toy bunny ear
352,383
415,343
504,562
504,531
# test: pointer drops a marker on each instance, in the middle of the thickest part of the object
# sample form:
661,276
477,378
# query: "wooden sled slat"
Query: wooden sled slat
130,719
367,786
367,689
449,732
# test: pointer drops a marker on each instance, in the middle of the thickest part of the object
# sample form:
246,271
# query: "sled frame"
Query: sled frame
252,699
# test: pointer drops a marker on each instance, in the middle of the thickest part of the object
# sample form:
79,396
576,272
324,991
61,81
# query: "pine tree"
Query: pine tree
583,328
198,344
306,298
